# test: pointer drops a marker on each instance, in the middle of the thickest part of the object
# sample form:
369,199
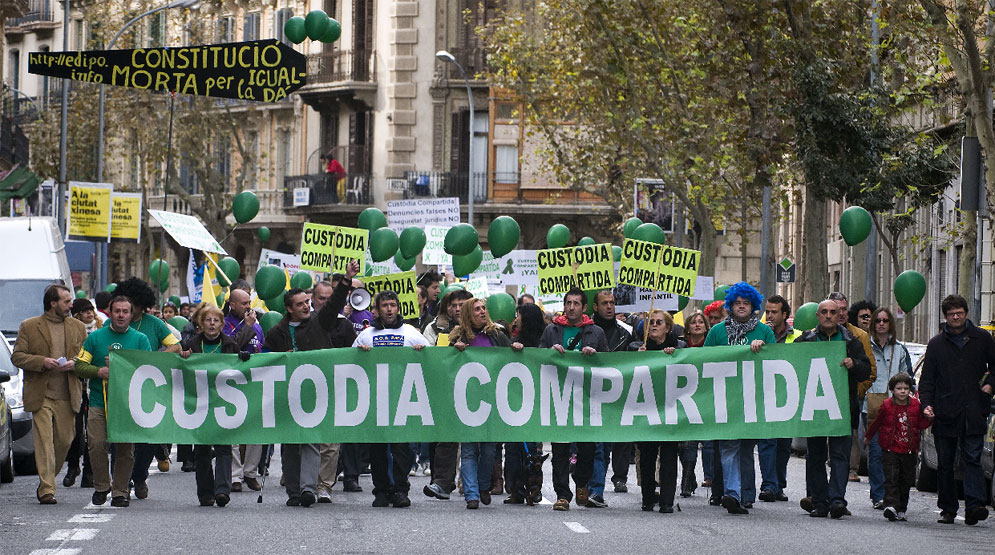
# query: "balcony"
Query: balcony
440,185
39,16
340,75
473,60
318,190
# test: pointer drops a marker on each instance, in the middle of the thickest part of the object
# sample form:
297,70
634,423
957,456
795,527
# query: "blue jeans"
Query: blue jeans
707,453
875,466
774,455
975,494
596,485
738,471
832,491
476,466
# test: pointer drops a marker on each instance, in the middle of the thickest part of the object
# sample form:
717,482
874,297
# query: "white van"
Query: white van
34,258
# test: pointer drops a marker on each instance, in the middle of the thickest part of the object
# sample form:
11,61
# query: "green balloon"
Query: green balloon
269,320
586,241
231,269
720,292
295,29
651,233
503,235
316,24
245,206
501,306
175,300
465,264
263,234
276,304
558,236
910,286
220,299
616,253
404,264
159,270
270,282
630,227
412,241
110,287
164,286
682,302
372,219
805,317
333,33
301,280
855,225
461,239
383,244
178,322
80,294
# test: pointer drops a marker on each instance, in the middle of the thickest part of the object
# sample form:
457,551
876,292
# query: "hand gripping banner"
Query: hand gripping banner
396,394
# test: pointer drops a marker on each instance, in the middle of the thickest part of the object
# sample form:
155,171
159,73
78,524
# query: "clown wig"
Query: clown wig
746,291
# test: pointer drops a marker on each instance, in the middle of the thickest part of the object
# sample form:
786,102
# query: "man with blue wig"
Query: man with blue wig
741,327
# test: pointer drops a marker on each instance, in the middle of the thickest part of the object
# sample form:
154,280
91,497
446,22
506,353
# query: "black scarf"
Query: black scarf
736,330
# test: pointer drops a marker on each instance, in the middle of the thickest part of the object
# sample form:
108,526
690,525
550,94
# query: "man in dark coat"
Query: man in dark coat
956,389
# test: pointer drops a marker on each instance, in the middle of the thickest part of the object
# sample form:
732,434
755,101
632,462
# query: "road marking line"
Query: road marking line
91,506
91,518
58,551
75,534
577,527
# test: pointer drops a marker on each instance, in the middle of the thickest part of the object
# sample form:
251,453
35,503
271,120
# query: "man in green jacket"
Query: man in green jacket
92,362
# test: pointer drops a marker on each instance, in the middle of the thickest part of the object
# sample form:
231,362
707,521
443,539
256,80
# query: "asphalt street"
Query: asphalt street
171,521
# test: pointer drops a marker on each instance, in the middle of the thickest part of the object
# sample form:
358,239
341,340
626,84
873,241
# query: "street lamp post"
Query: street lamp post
446,57
102,247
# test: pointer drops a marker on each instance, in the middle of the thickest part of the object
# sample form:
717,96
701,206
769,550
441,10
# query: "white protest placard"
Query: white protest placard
489,268
187,231
289,262
704,289
518,267
477,286
636,299
422,212
302,196
381,268
434,252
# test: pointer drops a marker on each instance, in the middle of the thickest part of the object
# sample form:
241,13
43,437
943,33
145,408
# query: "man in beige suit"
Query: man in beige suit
45,349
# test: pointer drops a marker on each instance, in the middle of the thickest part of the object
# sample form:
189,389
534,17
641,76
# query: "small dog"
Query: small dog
533,480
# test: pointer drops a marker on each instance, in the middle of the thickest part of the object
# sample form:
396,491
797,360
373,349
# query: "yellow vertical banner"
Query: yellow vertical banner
659,267
588,267
89,215
126,217
403,284
329,248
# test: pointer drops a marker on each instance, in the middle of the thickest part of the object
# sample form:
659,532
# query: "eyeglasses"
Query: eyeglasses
656,322
956,314
881,321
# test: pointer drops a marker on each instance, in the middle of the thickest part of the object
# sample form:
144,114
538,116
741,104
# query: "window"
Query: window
77,38
250,27
222,156
506,170
280,18
188,177
284,161
226,29
157,30
15,68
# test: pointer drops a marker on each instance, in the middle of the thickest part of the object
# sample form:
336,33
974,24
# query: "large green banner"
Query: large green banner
396,394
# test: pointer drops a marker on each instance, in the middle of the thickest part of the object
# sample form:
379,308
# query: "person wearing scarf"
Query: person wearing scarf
737,480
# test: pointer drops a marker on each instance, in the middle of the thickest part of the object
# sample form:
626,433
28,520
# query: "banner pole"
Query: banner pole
656,279
217,268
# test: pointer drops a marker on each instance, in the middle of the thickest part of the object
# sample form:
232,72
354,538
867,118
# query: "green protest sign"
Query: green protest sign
588,267
659,267
329,248
264,70
403,284
393,394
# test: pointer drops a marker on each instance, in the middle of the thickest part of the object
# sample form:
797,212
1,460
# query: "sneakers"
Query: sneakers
975,514
596,502
891,514
837,511
351,486
380,500
222,499
426,470
582,495
732,505
767,496
620,487
142,490
324,496
251,483
401,500
436,491
561,505
120,501
901,517
100,497
879,505
164,465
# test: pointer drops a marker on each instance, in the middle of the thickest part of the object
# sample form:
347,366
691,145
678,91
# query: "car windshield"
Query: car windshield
21,300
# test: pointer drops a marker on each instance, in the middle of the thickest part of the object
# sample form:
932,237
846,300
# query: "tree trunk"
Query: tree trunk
815,264
965,269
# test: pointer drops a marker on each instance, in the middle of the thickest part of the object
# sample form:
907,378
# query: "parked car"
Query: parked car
6,439
926,471
23,442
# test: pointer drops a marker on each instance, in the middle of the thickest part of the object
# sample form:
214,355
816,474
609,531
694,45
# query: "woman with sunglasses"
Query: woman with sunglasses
658,339
892,357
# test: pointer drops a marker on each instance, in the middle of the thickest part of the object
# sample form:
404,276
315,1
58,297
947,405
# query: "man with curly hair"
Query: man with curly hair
742,327
160,338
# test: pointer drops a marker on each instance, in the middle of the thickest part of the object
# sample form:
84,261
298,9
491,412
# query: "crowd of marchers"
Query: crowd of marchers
63,353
